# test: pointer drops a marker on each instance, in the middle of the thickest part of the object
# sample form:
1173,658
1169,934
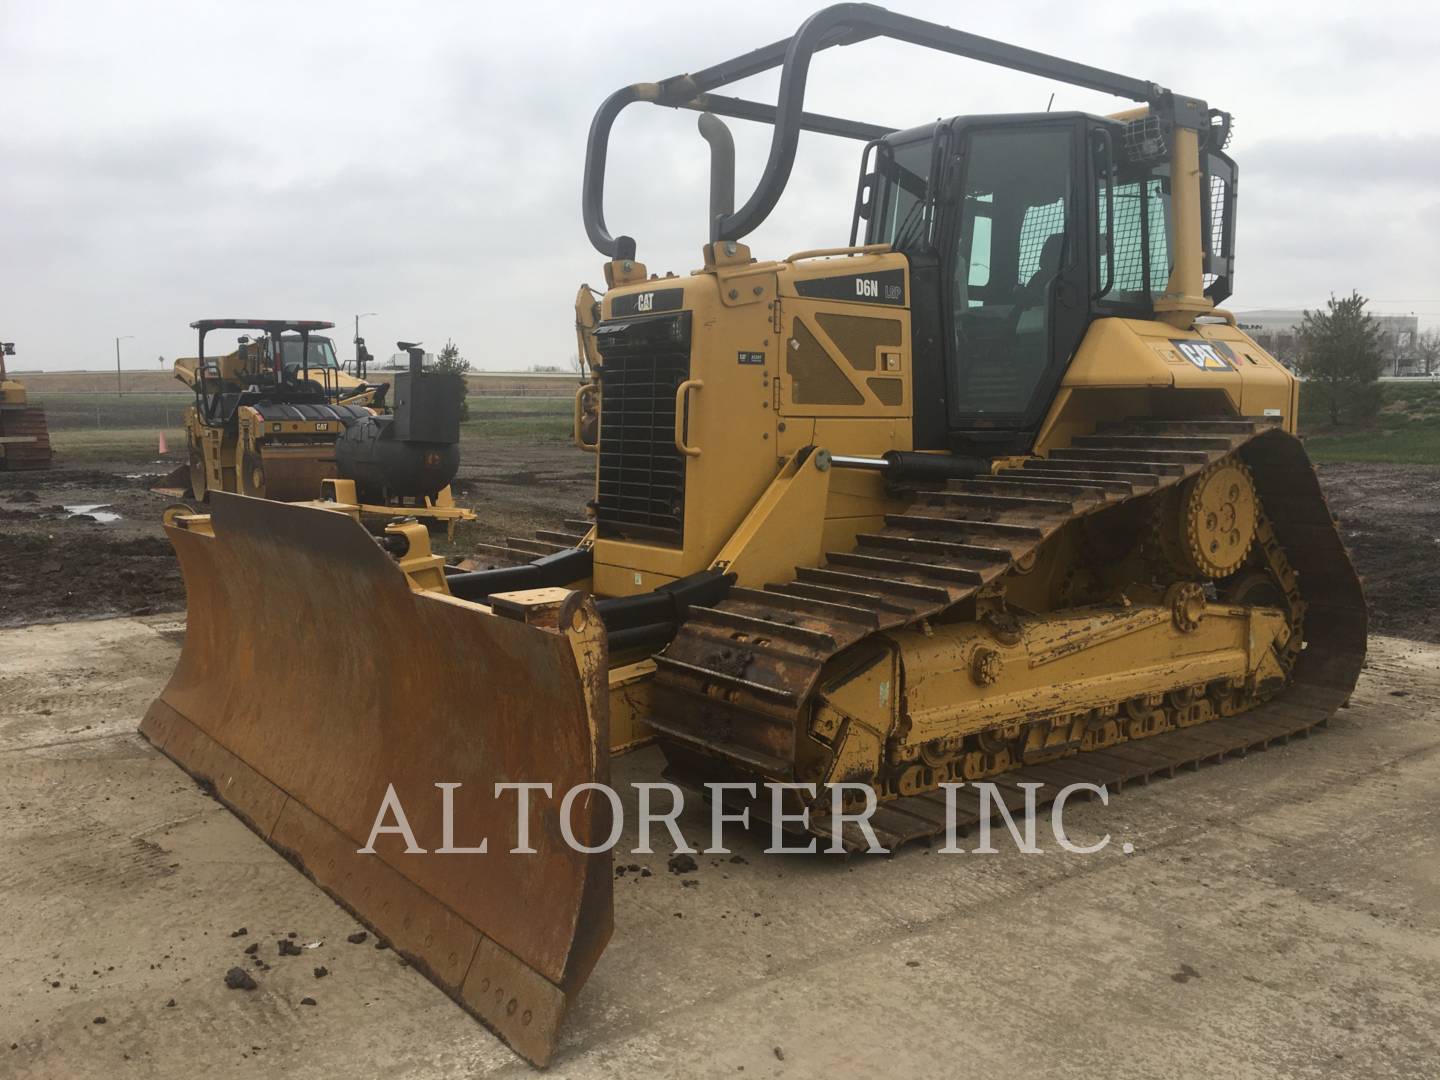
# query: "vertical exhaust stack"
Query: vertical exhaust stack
722,171
417,357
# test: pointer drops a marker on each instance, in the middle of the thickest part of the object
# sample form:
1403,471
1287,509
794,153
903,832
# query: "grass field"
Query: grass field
1406,430
140,446
533,417
91,428
107,427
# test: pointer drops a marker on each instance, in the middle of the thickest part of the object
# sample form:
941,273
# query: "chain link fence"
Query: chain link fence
75,412
166,412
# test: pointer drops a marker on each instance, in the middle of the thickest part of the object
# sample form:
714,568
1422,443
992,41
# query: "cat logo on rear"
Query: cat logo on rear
1204,355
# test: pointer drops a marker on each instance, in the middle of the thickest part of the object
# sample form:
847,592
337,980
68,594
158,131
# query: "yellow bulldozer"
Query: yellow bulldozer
279,418
995,491
24,435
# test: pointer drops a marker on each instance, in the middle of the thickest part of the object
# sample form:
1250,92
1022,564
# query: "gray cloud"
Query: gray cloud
1343,163
161,161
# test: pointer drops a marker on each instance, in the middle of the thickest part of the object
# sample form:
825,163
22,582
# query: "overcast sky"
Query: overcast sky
160,162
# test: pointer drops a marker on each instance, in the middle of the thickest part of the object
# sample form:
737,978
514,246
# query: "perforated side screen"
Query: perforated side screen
1217,223
859,336
815,379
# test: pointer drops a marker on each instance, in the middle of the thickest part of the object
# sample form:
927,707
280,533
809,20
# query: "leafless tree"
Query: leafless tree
1427,346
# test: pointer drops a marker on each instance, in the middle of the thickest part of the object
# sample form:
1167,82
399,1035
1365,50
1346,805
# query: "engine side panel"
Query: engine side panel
1132,367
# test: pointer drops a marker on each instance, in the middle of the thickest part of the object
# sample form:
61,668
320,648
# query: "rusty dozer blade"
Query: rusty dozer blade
175,484
313,678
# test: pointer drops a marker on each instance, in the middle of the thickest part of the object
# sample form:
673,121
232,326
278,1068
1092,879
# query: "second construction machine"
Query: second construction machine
277,418
24,435
995,490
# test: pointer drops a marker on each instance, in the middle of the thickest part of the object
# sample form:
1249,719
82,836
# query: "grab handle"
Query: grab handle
681,415
586,390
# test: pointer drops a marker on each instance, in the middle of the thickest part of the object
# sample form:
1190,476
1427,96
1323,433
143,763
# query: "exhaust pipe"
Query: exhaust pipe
417,355
722,170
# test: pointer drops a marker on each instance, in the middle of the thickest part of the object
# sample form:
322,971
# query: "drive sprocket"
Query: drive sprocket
1218,514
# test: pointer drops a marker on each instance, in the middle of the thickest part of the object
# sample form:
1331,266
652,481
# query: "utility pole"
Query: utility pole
118,389
362,315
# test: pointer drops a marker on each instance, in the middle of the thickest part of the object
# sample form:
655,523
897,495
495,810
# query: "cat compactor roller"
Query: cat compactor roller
267,415
993,491
278,418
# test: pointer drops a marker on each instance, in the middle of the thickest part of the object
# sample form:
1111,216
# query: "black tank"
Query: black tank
414,452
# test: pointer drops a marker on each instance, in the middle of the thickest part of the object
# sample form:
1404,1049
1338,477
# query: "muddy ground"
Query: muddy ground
86,542
1273,918
55,564
1390,519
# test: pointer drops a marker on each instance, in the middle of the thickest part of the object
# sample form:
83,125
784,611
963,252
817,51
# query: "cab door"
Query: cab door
1016,264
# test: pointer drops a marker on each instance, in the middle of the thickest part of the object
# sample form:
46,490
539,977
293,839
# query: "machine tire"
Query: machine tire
199,488
249,473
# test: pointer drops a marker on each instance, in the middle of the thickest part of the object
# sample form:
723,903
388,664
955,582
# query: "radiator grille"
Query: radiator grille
642,476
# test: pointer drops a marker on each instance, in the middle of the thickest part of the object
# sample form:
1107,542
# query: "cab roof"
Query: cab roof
270,326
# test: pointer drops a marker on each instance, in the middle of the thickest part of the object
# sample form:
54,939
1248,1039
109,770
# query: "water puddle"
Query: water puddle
95,511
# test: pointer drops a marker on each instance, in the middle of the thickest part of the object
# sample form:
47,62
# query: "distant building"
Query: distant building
401,361
1278,333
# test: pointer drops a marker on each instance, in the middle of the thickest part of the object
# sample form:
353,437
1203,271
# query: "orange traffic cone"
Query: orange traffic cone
163,448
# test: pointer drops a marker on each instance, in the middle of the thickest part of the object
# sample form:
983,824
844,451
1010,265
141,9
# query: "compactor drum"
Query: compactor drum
994,492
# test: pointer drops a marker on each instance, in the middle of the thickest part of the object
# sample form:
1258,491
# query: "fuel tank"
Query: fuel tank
415,451
384,466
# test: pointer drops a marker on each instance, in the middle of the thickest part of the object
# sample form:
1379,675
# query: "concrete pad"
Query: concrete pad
1279,916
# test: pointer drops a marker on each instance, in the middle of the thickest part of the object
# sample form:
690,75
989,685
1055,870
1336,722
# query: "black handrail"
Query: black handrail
1109,251
840,24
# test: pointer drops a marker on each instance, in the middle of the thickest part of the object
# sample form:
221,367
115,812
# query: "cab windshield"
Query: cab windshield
322,353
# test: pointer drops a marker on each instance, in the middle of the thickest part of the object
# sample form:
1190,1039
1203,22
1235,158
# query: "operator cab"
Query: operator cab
1020,230
285,362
